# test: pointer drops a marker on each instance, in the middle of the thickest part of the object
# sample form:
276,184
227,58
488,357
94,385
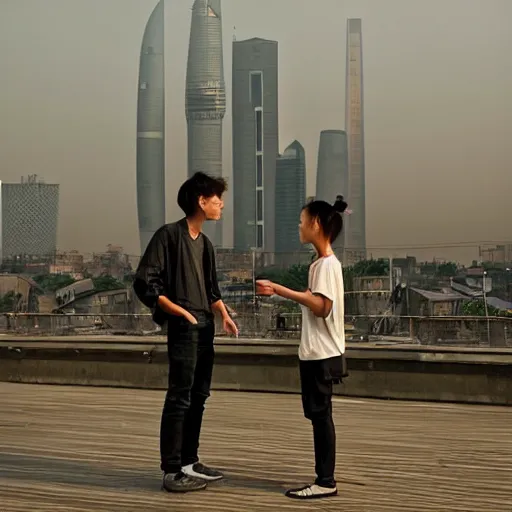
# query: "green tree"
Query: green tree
371,267
295,277
448,269
106,282
476,307
9,302
434,269
53,282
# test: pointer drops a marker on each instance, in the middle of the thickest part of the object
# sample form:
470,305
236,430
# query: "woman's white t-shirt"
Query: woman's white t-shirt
323,338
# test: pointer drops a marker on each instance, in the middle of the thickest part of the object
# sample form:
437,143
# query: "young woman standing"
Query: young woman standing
323,337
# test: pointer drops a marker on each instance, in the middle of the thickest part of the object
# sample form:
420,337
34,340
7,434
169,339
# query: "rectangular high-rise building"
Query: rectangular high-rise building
355,230
30,211
290,197
255,142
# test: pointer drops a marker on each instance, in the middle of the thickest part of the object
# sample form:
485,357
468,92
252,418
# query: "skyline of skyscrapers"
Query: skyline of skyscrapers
255,142
151,129
255,132
205,97
290,196
29,218
355,230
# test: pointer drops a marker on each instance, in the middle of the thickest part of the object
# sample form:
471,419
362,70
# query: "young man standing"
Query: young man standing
177,279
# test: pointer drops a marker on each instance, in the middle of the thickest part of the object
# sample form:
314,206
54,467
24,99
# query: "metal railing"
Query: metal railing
461,331
50,324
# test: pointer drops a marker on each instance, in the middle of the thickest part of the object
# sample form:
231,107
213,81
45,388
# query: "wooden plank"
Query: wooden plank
78,449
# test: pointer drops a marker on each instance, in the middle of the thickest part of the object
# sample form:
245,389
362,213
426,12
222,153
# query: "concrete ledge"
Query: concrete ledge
391,371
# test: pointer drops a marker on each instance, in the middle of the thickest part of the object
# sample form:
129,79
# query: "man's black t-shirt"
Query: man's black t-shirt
193,274
180,268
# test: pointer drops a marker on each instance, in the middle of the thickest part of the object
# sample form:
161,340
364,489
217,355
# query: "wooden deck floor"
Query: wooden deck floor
75,449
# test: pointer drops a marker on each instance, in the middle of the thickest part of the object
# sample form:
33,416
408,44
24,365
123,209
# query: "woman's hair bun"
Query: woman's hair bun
340,205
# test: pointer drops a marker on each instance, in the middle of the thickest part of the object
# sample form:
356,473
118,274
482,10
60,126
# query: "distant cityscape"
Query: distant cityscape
269,190
269,187
266,208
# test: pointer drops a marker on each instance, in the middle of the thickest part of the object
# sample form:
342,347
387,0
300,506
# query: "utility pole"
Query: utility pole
508,294
484,284
391,284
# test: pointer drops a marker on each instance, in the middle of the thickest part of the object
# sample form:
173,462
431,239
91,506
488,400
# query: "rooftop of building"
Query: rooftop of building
92,449
293,150
255,40
334,131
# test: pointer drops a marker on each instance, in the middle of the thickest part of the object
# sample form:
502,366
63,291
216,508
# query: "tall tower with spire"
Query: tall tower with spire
355,231
205,101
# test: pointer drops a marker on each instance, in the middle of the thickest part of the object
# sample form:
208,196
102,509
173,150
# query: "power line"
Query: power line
440,245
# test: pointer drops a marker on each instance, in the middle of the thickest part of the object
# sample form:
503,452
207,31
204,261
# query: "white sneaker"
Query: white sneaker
310,492
203,472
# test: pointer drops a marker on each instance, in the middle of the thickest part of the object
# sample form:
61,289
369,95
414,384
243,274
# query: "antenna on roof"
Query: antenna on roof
234,33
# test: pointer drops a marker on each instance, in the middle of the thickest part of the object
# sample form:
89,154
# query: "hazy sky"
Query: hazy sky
438,105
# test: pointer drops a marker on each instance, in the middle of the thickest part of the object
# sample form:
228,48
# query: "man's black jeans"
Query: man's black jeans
191,355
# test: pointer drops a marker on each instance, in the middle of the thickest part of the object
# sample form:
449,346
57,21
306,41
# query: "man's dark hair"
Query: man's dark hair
199,185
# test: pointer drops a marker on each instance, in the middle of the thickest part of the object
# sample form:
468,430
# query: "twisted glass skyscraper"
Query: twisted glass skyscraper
205,101
151,129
